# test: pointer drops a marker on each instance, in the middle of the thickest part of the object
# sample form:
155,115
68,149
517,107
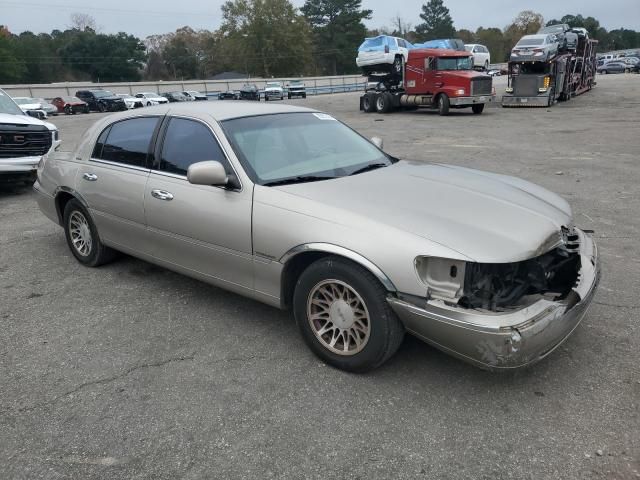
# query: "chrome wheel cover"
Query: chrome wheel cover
80,233
338,317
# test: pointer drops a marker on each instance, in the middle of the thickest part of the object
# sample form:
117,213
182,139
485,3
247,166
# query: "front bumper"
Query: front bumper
501,341
509,100
467,101
273,94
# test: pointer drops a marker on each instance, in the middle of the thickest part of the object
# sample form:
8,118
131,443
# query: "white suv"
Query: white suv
481,55
383,54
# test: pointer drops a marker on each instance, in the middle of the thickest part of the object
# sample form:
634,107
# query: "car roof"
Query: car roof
219,111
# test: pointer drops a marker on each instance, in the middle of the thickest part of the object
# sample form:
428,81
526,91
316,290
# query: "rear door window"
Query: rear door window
127,142
187,142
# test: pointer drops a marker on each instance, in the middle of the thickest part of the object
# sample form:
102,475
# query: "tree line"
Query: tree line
265,38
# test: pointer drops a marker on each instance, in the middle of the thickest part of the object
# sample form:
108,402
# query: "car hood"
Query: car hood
465,74
485,217
24,120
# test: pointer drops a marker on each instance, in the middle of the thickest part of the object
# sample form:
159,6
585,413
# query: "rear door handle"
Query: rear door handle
162,195
90,177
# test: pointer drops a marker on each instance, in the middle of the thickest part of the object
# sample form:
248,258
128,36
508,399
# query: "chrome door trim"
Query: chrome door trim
121,165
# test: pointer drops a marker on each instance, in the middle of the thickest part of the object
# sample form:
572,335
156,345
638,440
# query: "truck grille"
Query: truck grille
525,86
24,141
481,86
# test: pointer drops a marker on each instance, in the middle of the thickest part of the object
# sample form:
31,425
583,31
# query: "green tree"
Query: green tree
11,69
467,36
493,39
338,31
437,22
525,23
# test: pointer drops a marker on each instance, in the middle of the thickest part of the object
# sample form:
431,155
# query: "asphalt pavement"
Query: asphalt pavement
130,371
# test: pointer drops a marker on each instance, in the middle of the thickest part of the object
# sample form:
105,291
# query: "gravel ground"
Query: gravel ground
133,372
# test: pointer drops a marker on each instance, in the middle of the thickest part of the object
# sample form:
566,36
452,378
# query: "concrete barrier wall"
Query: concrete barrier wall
315,86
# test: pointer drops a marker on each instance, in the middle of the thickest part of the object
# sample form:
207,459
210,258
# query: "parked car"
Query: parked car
445,43
47,107
564,36
195,95
31,107
535,47
70,105
481,55
613,66
249,91
176,97
296,88
131,101
151,98
632,64
23,141
383,54
290,207
101,100
494,72
228,95
273,90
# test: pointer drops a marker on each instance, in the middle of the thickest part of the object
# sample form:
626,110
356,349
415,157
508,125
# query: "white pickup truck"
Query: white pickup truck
23,142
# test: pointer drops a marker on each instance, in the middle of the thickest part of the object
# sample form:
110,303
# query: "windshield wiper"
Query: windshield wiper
298,179
371,166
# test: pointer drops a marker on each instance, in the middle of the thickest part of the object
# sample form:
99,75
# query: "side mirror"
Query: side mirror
377,141
211,173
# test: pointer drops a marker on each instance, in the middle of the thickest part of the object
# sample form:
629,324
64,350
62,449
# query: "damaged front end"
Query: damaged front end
504,315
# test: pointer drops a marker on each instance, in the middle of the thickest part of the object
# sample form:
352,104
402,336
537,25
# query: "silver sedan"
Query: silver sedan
291,207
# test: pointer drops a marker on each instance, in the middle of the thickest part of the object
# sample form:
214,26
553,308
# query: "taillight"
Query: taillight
386,49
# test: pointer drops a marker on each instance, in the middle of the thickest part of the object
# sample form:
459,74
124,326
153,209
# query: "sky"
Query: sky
148,17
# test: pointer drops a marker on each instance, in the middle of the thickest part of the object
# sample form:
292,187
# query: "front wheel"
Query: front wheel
384,102
477,108
101,108
82,236
443,104
344,317
486,65
67,110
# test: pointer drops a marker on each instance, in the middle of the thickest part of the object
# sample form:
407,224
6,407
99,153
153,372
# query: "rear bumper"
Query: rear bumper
468,101
510,340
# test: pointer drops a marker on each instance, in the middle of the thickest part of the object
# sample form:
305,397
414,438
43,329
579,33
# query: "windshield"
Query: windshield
455,63
295,83
7,105
102,93
273,84
278,147
530,41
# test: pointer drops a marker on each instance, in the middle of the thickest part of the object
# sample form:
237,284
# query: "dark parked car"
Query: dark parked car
69,105
102,100
614,66
176,97
249,91
228,95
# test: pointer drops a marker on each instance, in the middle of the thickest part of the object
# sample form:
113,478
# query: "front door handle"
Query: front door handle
90,177
162,195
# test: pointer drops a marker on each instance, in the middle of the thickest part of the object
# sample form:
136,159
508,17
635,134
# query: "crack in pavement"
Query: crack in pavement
101,381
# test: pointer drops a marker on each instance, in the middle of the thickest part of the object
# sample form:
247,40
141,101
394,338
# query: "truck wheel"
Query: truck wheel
368,103
551,100
477,108
383,102
443,104
343,315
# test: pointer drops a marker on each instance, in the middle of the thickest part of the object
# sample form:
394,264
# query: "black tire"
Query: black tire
68,110
443,104
97,254
385,329
101,107
398,65
384,102
551,100
369,103
86,110
477,108
486,65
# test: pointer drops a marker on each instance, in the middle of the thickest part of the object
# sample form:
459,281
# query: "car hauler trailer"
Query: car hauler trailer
432,78
533,83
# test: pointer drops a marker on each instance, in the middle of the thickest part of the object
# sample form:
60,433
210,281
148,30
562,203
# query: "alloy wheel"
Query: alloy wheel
80,233
338,317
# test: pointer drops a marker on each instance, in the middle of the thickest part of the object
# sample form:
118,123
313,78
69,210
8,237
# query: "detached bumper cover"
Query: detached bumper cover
462,101
509,340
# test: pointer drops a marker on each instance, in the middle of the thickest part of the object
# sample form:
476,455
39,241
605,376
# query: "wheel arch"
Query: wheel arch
62,196
297,259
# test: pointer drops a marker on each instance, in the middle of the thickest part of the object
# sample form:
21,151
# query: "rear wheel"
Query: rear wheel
384,102
443,104
82,236
486,65
552,97
344,317
477,108
368,103
67,110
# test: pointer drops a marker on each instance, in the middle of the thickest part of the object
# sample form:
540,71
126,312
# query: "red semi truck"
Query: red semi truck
431,78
